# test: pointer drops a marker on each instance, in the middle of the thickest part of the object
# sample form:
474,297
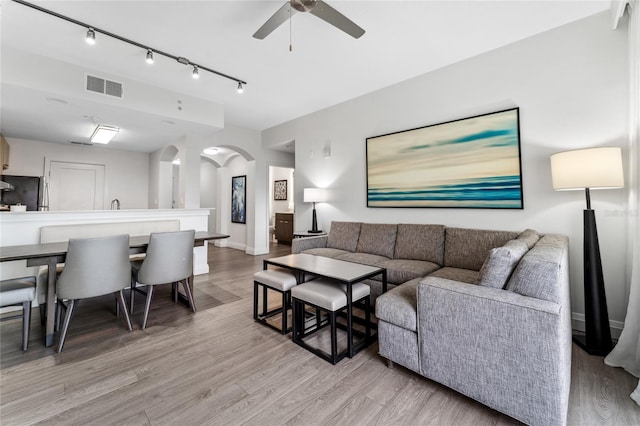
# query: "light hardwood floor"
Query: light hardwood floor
218,367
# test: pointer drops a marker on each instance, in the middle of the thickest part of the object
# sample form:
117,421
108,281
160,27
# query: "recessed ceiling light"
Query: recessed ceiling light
211,151
104,134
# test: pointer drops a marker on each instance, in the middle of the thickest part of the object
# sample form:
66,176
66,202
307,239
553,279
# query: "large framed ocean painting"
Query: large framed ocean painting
468,163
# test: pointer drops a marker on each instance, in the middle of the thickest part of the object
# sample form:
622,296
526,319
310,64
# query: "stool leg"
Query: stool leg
255,300
43,313
284,312
294,313
334,338
26,324
264,300
367,315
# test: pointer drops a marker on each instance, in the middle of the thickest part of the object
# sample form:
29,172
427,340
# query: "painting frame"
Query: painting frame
280,190
473,162
239,199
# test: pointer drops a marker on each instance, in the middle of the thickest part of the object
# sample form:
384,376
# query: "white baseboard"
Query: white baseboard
577,323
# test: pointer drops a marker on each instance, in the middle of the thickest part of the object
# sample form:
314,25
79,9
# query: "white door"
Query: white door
76,186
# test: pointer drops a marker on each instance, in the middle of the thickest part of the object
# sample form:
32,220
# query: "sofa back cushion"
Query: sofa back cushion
499,265
420,242
377,238
539,272
468,248
344,236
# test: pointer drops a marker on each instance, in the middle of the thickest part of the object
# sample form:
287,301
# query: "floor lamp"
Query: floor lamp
593,168
315,195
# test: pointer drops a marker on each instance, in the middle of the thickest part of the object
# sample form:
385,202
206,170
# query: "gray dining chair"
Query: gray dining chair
19,292
94,267
169,260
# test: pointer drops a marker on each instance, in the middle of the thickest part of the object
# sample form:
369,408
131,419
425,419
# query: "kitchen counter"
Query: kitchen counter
19,228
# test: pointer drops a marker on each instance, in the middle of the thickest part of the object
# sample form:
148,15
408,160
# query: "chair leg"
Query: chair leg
26,324
334,338
147,305
132,295
65,325
187,289
122,304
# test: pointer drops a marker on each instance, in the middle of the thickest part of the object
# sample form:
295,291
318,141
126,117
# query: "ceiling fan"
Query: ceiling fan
316,7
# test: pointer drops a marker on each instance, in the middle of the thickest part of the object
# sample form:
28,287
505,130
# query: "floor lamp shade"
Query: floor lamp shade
314,195
593,168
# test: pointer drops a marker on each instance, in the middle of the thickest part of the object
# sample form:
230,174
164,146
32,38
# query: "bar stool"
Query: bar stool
281,281
331,297
19,291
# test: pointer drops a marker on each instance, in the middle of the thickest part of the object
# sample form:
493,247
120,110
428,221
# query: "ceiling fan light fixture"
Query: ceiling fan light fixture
240,88
90,38
103,134
149,56
196,73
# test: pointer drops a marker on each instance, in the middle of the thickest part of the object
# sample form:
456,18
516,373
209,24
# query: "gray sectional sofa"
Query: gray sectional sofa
486,313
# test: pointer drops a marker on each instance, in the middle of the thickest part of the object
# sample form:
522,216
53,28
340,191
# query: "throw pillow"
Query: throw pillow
530,237
500,263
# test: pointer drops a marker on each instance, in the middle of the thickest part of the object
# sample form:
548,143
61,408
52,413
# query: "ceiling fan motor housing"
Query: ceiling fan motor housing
303,5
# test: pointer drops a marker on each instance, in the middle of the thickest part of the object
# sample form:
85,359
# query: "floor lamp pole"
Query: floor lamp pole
597,338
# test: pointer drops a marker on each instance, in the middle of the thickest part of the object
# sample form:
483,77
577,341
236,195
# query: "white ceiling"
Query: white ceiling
403,39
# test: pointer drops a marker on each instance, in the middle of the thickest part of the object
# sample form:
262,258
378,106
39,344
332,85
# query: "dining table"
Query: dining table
52,254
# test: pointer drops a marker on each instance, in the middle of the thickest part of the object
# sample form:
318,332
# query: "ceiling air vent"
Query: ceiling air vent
81,143
105,87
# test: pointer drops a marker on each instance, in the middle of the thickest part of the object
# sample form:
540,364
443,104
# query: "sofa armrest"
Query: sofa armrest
298,245
508,351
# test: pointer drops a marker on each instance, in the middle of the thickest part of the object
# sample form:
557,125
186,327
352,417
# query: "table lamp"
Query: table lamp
593,168
315,195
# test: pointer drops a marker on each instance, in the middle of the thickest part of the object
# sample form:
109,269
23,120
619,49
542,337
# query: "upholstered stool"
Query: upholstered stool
281,281
19,291
331,297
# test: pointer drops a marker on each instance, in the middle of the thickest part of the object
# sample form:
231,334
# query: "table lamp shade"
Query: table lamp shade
594,168
315,195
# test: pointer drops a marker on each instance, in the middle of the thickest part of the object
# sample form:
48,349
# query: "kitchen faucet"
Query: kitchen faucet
115,204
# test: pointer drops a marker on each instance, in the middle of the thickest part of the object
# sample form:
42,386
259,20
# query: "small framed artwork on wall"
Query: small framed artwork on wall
280,190
238,199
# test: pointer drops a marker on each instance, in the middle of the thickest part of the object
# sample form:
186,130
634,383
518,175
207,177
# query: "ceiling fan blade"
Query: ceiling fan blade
278,18
327,13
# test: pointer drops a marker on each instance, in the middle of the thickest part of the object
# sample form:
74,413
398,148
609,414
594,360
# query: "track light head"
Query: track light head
196,73
91,36
149,56
240,87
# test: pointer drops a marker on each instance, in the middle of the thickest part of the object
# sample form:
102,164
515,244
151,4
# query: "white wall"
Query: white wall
571,86
126,173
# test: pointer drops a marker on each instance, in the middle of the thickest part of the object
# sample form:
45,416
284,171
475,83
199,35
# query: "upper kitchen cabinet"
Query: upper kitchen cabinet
4,153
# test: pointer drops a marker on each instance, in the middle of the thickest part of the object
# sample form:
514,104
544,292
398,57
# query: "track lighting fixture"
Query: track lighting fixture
91,39
91,36
240,87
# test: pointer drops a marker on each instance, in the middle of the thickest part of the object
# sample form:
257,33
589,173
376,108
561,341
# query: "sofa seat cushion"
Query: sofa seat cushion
344,236
363,258
377,238
500,263
402,270
325,251
398,305
456,274
468,248
420,242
